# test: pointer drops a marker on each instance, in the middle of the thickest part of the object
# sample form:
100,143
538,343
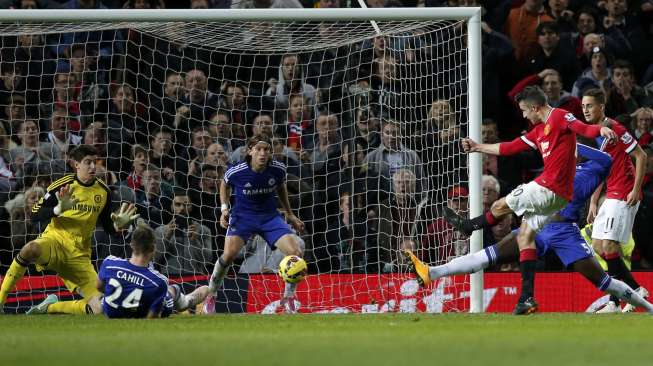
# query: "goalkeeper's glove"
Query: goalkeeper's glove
124,216
65,200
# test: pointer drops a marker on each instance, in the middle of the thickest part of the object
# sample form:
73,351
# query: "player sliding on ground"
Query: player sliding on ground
256,184
614,222
561,235
554,136
71,209
133,289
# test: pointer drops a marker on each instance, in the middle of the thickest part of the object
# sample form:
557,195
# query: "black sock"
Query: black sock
527,269
617,268
482,221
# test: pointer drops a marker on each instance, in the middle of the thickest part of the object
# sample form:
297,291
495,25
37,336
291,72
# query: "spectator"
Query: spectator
262,124
491,190
551,83
624,95
199,105
162,155
554,53
139,163
597,75
291,81
64,99
286,155
183,245
562,16
95,135
90,89
206,199
163,110
59,135
442,243
23,230
11,77
38,61
496,53
153,202
520,28
401,223
31,150
642,125
387,159
299,125
14,113
220,129
234,102
617,18
125,123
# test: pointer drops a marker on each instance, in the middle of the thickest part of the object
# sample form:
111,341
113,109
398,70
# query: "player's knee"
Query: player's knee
610,247
525,241
94,305
31,251
597,245
499,207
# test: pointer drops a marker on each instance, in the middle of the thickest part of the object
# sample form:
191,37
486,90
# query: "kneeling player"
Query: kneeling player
561,236
133,289
256,184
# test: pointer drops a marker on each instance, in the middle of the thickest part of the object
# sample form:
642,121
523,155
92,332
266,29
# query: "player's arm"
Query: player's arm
591,131
594,203
282,191
225,195
640,169
157,305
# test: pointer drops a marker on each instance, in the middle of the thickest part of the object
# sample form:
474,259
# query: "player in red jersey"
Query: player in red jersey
614,222
554,136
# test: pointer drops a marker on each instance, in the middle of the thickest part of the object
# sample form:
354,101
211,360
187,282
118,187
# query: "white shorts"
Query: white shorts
535,203
614,221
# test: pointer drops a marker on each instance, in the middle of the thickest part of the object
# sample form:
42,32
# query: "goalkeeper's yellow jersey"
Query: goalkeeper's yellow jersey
76,225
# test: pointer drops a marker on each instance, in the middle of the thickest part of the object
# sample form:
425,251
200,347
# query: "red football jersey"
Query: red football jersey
557,144
622,174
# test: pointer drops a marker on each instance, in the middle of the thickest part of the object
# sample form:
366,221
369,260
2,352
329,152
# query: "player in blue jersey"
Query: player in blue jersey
561,235
256,186
133,289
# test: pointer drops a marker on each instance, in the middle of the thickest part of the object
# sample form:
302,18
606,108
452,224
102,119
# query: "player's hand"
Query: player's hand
591,212
469,145
125,215
170,229
607,133
632,198
296,223
224,219
65,200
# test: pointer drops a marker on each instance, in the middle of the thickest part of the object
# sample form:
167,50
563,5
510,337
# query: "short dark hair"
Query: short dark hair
547,26
624,64
80,152
142,239
597,94
180,192
162,129
532,94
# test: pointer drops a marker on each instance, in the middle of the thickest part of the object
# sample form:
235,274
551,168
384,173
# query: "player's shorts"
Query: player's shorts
269,228
535,203
565,240
614,221
71,265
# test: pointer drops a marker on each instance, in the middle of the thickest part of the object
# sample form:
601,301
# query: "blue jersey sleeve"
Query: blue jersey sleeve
159,297
598,156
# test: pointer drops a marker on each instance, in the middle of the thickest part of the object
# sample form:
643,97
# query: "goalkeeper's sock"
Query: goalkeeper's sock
469,263
14,274
219,271
624,292
289,290
485,220
527,262
70,307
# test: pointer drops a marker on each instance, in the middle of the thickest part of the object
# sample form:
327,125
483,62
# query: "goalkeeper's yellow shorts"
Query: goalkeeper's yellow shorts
72,265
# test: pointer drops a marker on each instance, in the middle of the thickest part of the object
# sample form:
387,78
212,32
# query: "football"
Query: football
292,269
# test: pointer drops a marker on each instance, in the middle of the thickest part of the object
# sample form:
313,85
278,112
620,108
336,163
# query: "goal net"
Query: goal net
366,116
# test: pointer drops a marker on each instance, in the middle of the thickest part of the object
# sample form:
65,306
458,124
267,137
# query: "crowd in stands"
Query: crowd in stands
372,150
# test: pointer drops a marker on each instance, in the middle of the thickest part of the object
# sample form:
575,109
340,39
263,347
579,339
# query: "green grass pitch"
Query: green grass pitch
389,339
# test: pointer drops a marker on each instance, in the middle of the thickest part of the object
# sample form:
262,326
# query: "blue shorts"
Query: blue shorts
564,239
270,228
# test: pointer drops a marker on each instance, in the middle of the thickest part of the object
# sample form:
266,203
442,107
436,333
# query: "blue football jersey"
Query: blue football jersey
132,291
255,193
589,174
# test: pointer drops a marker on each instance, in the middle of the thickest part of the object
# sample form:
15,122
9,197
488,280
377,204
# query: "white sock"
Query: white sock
469,263
182,303
627,294
289,290
219,271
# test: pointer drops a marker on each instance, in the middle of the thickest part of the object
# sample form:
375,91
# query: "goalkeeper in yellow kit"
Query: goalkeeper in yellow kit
71,210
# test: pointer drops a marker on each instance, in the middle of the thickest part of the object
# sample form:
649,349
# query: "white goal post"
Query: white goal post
23,21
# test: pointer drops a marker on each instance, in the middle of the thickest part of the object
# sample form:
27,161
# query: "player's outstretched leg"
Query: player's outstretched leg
290,244
591,270
28,254
184,302
506,251
42,307
488,219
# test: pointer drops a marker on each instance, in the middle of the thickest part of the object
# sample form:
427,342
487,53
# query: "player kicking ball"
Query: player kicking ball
554,136
257,185
562,236
71,209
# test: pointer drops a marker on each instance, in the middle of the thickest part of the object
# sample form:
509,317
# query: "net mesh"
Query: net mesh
367,124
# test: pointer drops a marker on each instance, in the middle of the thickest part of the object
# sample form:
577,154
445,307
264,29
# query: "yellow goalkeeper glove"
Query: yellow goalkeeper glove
125,215
65,200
